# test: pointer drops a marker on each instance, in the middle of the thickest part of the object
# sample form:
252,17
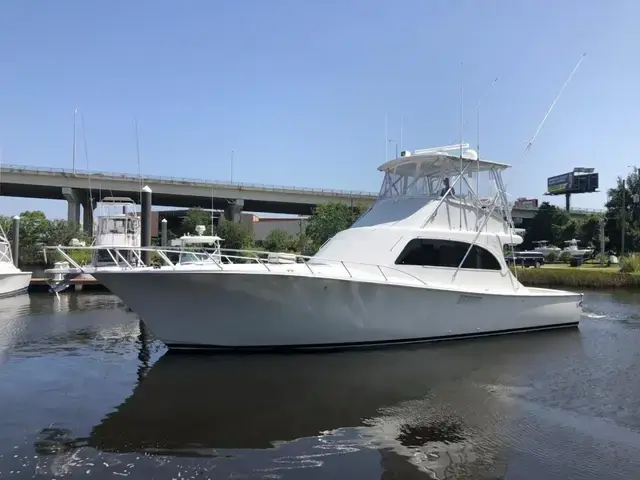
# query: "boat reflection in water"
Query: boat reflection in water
436,406
14,313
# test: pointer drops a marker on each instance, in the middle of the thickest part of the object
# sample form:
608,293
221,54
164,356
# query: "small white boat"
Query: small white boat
572,248
12,280
546,249
198,249
424,262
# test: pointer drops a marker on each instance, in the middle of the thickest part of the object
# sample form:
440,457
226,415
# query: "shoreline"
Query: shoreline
577,277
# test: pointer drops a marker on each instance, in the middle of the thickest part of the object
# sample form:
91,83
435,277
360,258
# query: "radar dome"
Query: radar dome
470,154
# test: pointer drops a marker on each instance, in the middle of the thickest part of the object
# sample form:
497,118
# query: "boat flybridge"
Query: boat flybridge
424,262
116,243
198,249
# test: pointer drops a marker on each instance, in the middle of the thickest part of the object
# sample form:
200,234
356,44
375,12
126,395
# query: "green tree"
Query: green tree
278,240
613,227
61,232
235,235
549,223
570,230
193,218
329,219
33,229
36,231
589,231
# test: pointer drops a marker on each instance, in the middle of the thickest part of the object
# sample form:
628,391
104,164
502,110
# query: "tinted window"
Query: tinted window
446,253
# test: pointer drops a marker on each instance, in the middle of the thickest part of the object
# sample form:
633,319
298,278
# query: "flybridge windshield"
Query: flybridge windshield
403,182
432,172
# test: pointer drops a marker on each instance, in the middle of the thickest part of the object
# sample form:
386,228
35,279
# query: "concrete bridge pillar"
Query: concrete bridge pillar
233,210
72,196
88,206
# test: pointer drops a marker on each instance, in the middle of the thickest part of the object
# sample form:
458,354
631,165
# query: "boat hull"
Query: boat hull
13,283
207,310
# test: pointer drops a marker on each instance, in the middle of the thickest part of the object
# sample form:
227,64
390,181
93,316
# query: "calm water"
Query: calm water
84,393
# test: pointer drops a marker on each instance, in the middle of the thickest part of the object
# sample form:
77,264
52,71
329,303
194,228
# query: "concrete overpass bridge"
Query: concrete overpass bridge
77,187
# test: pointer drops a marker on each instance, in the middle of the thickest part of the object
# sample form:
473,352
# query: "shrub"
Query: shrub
552,257
576,278
630,264
565,257
80,256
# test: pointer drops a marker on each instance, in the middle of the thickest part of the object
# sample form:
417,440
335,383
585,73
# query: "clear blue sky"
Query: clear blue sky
299,89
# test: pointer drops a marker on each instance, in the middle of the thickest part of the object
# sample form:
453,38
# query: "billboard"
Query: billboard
559,184
577,181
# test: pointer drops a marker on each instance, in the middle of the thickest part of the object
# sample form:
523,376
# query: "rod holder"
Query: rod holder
145,232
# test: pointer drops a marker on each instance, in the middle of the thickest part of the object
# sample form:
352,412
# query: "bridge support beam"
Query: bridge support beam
72,196
88,206
233,210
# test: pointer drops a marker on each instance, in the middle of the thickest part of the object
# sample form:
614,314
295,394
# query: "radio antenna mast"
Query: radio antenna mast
533,139
486,94
535,135
461,127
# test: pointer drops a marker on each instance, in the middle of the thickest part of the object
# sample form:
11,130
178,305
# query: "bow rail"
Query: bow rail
230,260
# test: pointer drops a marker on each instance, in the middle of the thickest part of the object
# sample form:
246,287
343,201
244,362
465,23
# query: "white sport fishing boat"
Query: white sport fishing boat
425,262
12,280
118,227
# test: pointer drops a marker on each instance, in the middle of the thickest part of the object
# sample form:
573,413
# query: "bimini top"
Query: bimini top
117,200
439,159
199,239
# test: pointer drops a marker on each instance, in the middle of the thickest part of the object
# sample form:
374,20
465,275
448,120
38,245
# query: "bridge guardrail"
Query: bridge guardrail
576,210
238,185
182,180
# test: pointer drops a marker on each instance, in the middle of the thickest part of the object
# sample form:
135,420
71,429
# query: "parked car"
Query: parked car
525,259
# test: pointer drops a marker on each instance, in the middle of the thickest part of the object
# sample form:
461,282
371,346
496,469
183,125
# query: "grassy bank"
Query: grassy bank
580,277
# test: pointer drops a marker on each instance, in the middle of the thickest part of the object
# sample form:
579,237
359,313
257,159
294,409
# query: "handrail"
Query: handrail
246,255
6,168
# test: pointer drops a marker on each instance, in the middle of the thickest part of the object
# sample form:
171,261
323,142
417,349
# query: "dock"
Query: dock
80,283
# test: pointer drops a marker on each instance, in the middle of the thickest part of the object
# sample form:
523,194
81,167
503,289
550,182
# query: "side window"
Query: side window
446,253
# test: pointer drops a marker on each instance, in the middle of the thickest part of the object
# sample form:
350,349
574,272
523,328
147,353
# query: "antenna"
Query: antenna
386,138
232,154
461,126
86,157
478,139
135,124
212,193
535,135
401,131
73,152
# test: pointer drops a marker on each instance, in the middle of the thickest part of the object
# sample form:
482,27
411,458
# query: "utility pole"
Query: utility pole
623,216
602,222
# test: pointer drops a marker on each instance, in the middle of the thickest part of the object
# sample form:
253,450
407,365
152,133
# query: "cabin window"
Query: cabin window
446,253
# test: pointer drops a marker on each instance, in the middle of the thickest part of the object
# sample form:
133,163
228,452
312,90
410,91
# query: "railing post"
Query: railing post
15,239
